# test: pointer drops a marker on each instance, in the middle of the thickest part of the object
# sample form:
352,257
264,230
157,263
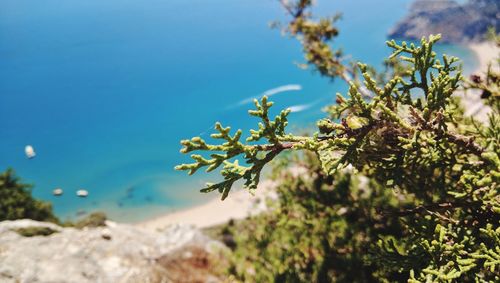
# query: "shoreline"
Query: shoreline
241,203
238,205
486,53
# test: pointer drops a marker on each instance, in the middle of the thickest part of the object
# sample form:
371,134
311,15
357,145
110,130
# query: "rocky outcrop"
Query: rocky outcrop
114,253
457,23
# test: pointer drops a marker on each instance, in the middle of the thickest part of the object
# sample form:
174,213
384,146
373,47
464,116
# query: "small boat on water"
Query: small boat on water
82,193
29,151
57,192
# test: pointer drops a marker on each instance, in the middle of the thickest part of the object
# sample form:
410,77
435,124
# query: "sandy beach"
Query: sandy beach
486,53
238,205
241,203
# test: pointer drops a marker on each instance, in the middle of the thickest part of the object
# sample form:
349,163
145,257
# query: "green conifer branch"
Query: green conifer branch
385,124
409,138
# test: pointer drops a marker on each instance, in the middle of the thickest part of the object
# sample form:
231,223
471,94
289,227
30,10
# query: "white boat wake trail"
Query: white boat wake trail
299,108
268,93
302,107
271,92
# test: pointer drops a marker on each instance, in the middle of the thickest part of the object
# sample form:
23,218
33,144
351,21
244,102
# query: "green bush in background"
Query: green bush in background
16,201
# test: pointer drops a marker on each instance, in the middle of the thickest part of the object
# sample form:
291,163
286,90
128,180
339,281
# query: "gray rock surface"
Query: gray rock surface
115,253
457,23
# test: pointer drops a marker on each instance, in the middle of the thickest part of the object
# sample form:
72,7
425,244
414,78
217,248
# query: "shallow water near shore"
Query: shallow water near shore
104,90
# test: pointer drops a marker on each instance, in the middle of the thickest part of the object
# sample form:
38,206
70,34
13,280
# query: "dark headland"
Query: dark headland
458,23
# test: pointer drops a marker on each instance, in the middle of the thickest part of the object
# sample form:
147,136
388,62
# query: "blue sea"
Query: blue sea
104,90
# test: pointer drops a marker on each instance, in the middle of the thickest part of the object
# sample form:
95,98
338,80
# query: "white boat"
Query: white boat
57,192
29,151
82,193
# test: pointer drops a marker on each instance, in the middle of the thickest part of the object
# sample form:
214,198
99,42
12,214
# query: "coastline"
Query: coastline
485,53
241,203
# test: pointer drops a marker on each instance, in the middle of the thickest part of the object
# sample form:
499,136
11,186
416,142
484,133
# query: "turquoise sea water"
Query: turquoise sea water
104,90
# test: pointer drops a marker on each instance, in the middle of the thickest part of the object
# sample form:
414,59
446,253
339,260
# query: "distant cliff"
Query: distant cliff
457,23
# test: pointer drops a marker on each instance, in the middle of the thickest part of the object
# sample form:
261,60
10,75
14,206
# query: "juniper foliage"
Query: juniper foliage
431,211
